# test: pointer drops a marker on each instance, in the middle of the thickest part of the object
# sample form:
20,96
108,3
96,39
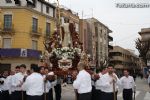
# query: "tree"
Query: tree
143,47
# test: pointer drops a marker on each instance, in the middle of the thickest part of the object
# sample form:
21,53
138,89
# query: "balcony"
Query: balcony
47,35
110,47
7,30
17,2
117,58
36,32
110,38
31,4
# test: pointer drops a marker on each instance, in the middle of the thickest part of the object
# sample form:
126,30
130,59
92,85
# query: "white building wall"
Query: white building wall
3,3
18,61
23,2
38,6
51,11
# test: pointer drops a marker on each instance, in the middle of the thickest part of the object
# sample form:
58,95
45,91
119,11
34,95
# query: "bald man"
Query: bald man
82,83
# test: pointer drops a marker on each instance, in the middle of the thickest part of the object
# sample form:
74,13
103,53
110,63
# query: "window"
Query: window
34,25
34,44
17,2
48,28
6,42
31,3
8,1
7,21
47,9
52,12
96,31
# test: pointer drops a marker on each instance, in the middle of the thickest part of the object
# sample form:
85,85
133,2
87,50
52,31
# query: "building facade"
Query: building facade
97,36
24,25
83,33
124,59
145,36
69,16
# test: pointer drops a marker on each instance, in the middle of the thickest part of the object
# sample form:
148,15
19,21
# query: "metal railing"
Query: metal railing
7,29
36,32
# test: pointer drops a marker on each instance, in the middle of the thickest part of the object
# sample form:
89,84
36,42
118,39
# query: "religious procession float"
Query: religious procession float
64,50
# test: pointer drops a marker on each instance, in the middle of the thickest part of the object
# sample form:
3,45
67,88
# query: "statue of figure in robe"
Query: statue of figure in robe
66,37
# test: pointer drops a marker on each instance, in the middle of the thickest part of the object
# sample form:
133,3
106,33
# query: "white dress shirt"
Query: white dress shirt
127,82
34,85
107,84
98,82
4,86
83,82
17,80
47,85
11,88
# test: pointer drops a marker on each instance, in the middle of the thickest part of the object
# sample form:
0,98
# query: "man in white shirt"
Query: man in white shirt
34,84
47,85
98,82
17,82
127,83
83,83
10,82
12,88
4,86
109,85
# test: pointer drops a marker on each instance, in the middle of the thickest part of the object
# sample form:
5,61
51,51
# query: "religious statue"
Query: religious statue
66,37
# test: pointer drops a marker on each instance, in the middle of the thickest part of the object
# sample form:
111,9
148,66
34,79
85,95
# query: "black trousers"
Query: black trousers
0,95
84,96
127,94
45,96
5,95
34,97
50,93
58,91
98,94
108,96
94,93
18,95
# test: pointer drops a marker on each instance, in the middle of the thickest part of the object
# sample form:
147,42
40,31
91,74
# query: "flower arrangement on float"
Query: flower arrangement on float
65,52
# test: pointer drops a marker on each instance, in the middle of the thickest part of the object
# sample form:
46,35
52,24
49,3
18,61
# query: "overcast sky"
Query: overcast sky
124,22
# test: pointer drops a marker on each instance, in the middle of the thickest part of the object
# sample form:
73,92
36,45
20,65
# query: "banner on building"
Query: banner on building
23,53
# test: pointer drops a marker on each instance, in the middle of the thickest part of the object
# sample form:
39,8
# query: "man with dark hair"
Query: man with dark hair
50,83
4,86
12,88
109,85
42,71
83,83
17,82
34,84
98,82
17,69
47,84
35,68
127,83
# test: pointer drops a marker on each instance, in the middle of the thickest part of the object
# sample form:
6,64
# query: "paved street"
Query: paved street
141,94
